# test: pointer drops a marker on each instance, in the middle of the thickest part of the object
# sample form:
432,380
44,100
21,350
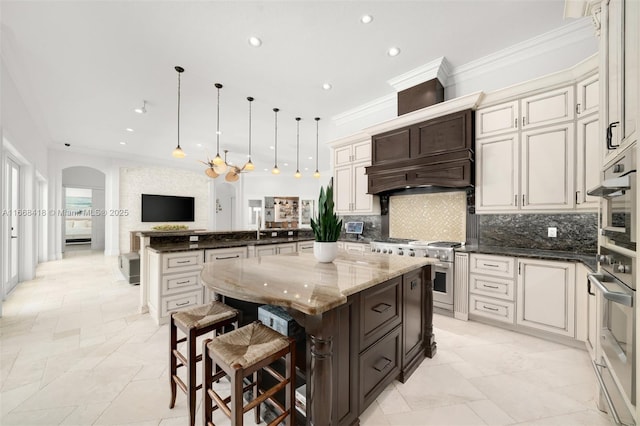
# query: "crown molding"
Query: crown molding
383,103
438,68
549,41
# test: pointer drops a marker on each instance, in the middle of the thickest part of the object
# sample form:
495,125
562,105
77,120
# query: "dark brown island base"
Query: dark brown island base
368,320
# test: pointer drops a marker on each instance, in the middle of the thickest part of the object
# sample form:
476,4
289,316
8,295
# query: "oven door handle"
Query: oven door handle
605,393
614,296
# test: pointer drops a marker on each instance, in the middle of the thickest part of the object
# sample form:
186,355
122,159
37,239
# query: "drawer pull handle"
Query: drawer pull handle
491,265
490,308
183,303
184,282
381,307
228,257
414,284
382,364
490,286
183,261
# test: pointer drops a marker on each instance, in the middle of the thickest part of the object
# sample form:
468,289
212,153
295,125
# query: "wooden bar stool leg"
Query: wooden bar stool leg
191,375
290,390
256,379
237,400
207,405
173,339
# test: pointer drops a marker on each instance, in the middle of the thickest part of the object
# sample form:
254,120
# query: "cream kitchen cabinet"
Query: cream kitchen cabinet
216,255
498,119
492,287
588,161
351,157
588,96
272,249
531,170
620,51
305,246
546,296
178,275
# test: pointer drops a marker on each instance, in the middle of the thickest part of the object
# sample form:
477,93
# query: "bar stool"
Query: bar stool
193,323
248,351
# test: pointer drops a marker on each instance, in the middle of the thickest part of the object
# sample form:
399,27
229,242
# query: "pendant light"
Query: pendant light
249,165
178,152
316,174
276,170
298,175
220,165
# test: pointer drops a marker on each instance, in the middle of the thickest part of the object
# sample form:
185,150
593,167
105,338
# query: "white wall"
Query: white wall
135,181
86,177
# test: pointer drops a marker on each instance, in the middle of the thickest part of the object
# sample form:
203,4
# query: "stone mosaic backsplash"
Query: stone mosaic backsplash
436,216
577,233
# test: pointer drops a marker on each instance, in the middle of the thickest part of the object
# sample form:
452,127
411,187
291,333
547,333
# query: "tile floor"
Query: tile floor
74,351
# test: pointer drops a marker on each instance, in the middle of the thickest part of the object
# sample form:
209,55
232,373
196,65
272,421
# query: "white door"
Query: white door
497,173
548,168
12,224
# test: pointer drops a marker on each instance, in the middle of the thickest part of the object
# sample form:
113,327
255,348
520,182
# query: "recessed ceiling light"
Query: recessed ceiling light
123,143
271,147
255,41
366,19
286,164
129,129
310,158
393,51
306,168
266,170
327,86
199,145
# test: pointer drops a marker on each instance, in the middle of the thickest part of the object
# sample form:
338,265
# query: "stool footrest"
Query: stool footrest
258,399
274,373
279,419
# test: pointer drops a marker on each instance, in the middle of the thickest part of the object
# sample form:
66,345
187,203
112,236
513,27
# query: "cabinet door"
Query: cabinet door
342,156
391,146
497,119
631,51
343,188
614,48
413,321
286,248
305,247
265,250
548,168
362,202
588,95
497,173
361,152
546,296
549,107
587,161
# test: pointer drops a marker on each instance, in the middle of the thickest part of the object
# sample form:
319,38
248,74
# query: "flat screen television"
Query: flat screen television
167,208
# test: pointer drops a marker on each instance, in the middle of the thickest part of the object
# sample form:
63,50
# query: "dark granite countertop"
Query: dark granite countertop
589,260
177,247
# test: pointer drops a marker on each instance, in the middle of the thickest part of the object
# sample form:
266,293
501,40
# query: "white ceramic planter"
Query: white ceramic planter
325,252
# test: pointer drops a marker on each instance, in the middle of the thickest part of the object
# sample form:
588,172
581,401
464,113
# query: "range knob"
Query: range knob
603,258
412,253
623,269
384,251
426,254
400,253
377,250
443,257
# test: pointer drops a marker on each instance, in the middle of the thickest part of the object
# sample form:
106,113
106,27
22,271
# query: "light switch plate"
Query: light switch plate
552,232
290,233
193,238
274,234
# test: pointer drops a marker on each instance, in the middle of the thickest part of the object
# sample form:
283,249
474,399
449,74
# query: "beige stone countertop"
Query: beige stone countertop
298,281
208,245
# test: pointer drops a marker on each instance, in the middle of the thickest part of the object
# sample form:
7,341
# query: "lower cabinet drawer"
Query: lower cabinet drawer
379,366
501,288
499,310
179,283
180,301
380,311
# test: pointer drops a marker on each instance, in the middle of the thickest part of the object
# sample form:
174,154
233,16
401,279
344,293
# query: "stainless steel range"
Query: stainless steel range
443,251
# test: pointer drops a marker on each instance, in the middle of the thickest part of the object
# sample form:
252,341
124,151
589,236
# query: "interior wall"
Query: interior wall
135,181
89,178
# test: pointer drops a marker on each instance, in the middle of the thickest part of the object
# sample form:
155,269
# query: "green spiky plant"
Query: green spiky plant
326,226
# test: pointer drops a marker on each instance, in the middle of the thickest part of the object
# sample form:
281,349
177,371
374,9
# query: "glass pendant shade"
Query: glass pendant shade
219,168
298,175
316,174
178,152
218,160
275,170
249,166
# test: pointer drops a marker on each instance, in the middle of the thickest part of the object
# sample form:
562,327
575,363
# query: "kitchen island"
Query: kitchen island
368,320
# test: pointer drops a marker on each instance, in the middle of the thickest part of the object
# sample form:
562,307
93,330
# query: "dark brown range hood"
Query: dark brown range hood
434,153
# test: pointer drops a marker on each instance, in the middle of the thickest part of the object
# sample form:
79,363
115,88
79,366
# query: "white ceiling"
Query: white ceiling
83,66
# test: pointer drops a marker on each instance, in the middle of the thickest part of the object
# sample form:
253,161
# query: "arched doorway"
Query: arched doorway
83,200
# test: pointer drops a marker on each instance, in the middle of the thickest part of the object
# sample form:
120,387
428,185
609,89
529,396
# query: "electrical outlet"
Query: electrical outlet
193,238
552,232
290,233
274,234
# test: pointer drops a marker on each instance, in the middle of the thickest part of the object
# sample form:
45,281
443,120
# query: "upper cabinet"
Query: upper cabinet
349,178
529,156
619,47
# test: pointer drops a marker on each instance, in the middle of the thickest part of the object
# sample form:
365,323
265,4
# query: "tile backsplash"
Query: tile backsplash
435,216
576,232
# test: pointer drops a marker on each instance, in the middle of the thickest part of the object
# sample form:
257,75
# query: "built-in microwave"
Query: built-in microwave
618,191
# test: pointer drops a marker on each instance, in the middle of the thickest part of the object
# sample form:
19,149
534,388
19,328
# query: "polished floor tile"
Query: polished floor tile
75,351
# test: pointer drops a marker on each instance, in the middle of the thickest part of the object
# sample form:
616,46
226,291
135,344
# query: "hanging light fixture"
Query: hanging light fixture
316,174
298,175
275,169
178,152
249,165
234,172
220,165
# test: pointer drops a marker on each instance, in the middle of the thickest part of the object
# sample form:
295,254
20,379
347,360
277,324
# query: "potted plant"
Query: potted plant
326,227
